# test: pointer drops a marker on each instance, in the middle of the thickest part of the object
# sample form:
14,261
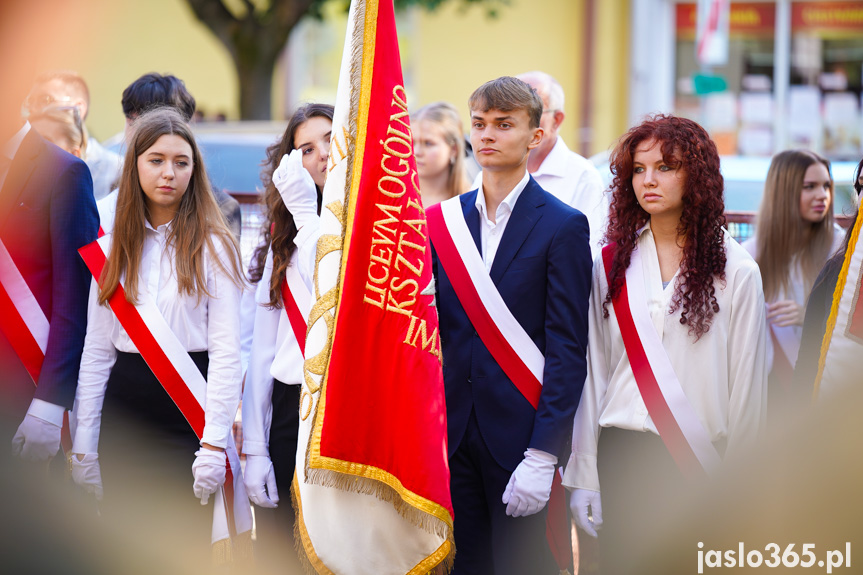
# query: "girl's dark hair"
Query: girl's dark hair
687,146
279,229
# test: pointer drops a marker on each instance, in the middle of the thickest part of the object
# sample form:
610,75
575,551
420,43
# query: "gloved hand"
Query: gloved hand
260,480
579,502
87,473
530,485
297,188
36,439
209,471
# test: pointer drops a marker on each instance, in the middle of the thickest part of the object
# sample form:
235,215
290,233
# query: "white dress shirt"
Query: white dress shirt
211,324
492,231
575,181
275,355
10,148
797,291
723,374
105,167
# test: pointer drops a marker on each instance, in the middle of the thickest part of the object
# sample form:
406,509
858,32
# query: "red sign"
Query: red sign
832,16
746,18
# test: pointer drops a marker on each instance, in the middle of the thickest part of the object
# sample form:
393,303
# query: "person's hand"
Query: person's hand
209,472
297,188
785,312
260,481
87,473
530,484
586,508
36,439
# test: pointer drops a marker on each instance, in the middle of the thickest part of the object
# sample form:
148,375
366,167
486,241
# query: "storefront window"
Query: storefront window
737,102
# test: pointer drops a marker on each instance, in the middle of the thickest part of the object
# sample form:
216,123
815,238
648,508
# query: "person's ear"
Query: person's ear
558,118
536,138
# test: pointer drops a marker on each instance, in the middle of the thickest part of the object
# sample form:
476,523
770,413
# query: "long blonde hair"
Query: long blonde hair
191,233
782,234
446,116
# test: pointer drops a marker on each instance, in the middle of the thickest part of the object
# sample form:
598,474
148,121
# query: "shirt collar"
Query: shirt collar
509,201
11,146
554,163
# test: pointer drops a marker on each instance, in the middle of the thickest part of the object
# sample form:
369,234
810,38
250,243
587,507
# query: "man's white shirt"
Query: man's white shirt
492,231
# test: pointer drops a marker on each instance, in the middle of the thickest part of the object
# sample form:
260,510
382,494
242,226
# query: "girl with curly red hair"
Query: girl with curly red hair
673,295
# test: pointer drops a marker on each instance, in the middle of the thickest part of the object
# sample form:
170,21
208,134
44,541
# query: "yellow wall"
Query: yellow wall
610,73
120,40
458,49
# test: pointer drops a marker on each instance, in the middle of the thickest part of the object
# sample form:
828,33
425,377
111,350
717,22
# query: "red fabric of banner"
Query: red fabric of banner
385,403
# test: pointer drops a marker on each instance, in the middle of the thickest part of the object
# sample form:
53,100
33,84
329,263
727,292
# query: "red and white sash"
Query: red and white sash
25,326
679,426
21,317
178,374
501,333
297,300
505,338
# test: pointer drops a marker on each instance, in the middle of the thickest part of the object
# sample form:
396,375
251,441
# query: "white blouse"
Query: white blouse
723,374
211,324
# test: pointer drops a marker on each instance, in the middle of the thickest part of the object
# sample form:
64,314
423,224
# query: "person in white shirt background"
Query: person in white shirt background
795,234
295,166
566,175
704,298
170,244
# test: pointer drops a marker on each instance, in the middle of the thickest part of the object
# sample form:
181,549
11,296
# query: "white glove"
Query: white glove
209,471
297,188
87,473
579,502
530,485
36,439
260,480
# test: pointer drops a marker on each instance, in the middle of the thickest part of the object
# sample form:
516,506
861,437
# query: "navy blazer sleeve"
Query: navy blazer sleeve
567,297
74,222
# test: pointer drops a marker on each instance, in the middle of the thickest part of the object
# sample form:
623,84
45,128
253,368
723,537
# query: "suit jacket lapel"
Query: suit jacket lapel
522,220
471,217
22,167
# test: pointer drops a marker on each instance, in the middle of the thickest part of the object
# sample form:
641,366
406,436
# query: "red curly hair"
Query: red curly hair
685,145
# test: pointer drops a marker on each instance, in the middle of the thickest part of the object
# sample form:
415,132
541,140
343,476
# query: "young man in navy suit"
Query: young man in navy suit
47,212
504,442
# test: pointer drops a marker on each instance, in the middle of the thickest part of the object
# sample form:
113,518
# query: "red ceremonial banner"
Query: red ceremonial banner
384,413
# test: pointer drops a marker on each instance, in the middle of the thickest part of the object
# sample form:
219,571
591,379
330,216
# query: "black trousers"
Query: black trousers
146,451
275,527
488,541
636,474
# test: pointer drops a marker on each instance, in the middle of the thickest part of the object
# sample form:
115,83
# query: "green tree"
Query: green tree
255,32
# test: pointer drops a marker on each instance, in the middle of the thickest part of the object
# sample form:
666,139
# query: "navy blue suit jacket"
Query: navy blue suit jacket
47,212
542,269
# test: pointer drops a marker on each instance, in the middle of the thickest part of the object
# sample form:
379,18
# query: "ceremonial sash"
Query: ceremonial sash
505,338
25,326
679,426
498,329
178,374
783,365
296,299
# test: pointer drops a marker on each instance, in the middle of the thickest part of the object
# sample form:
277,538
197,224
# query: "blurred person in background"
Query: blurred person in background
571,178
296,165
153,91
61,125
795,234
676,311
47,212
61,88
819,305
440,154
175,254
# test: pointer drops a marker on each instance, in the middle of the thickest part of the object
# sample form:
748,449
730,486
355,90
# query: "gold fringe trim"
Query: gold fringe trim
236,550
438,563
837,298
